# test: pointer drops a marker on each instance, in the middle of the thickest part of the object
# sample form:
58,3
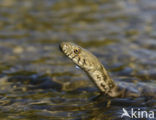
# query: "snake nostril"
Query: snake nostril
63,46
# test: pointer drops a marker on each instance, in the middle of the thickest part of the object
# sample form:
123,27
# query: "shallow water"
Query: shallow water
38,82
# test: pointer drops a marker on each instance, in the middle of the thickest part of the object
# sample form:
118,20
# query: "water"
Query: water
38,83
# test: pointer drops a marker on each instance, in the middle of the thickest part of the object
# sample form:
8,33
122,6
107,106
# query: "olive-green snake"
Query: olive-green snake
96,71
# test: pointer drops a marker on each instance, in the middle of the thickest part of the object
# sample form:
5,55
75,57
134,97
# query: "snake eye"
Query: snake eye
76,51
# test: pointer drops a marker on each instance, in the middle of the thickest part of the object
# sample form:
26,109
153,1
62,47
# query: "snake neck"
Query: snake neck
103,81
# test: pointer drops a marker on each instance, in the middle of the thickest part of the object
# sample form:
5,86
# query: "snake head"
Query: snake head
81,57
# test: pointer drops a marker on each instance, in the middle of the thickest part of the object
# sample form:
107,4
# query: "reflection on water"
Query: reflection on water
38,82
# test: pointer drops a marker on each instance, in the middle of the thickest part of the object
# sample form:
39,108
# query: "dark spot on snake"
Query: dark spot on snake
84,62
104,87
73,57
69,54
79,59
111,85
98,77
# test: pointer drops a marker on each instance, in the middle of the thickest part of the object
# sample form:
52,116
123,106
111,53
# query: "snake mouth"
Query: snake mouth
61,46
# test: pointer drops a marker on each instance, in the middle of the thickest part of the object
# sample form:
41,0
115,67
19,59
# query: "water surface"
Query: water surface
38,82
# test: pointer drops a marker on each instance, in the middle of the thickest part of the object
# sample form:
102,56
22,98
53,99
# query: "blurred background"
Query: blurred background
38,82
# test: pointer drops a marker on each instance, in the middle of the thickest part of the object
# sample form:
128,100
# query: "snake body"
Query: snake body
95,70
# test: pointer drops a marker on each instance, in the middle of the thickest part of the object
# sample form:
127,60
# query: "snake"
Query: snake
98,73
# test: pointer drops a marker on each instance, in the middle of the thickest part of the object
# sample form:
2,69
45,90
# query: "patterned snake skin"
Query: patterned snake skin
96,71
